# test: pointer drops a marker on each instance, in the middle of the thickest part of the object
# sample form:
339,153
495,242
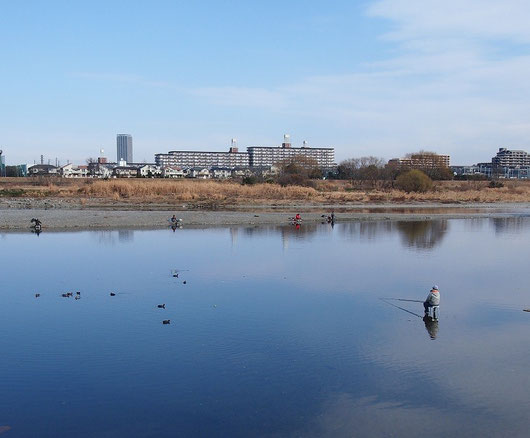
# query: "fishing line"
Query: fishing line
401,308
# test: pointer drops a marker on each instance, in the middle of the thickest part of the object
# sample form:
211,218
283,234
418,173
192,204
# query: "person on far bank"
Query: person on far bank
433,299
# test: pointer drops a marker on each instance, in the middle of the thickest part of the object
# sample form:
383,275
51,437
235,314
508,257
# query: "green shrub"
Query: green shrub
12,193
414,181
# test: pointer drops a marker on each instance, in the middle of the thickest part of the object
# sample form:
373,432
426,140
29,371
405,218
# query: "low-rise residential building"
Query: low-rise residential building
466,170
101,170
73,171
149,171
241,173
125,172
199,173
43,170
220,173
173,172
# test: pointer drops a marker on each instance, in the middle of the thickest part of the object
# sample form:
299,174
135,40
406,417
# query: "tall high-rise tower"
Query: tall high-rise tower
124,148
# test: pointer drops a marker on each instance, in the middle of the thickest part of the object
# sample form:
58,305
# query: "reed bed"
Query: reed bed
144,191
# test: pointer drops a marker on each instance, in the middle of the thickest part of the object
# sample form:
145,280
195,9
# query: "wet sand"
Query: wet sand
91,218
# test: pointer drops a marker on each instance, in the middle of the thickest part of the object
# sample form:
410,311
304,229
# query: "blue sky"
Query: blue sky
381,77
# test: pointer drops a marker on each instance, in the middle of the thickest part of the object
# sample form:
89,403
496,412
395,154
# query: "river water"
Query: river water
276,331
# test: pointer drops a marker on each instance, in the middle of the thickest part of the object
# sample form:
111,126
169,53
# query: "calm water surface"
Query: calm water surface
277,331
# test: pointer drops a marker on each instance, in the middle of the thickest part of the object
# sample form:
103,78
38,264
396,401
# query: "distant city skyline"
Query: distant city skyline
371,77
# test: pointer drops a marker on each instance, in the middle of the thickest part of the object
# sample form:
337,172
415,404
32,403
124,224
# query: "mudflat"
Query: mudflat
64,215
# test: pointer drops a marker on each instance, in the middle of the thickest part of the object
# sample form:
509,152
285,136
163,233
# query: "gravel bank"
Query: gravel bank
90,218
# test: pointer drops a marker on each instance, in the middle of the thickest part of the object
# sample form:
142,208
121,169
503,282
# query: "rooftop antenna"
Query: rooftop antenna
286,141
304,144
233,146
42,159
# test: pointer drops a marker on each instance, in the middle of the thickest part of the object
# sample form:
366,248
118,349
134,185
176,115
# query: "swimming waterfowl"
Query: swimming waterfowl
65,295
37,295
166,321
161,306
112,294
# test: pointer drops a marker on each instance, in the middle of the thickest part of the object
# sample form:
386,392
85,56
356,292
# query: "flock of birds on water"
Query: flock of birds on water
175,274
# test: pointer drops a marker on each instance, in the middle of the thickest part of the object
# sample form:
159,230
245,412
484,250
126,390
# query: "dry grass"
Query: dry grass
233,193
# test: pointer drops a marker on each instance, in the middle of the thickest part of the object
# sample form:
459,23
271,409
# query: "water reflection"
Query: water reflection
125,236
510,225
422,234
112,237
262,341
431,325
418,235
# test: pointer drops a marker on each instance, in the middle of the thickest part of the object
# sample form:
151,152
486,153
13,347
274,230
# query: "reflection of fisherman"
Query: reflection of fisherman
433,299
431,325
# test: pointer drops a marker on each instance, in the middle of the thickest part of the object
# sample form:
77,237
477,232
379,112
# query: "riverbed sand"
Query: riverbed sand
80,219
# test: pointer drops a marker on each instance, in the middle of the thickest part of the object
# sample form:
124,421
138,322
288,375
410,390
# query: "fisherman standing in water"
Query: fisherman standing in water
433,299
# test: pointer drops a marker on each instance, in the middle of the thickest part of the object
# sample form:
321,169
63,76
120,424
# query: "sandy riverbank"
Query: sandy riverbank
92,218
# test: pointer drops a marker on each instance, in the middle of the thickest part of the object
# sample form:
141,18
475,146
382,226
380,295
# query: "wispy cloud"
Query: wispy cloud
417,19
457,82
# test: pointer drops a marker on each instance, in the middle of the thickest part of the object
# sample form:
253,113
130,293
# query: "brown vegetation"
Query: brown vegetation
218,193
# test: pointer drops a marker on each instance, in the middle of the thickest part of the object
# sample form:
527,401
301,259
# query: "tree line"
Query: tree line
368,172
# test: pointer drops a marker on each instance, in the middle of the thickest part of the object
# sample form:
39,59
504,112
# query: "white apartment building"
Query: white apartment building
511,158
231,159
255,157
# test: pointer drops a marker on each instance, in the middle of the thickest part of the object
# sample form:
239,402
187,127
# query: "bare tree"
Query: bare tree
369,169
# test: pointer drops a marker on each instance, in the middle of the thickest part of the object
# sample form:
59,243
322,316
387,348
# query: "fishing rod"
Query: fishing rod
401,308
